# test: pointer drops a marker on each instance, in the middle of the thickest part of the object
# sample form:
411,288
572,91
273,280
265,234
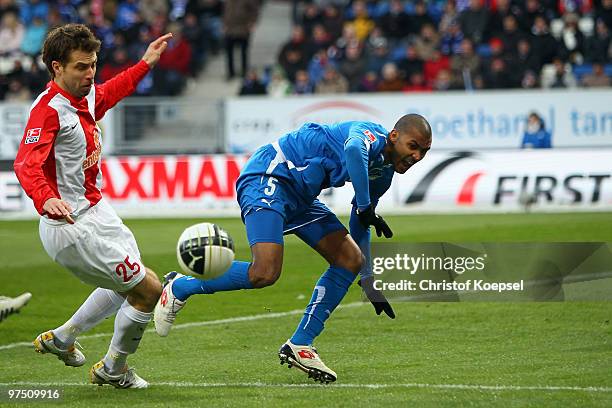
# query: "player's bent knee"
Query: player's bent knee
350,260
262,275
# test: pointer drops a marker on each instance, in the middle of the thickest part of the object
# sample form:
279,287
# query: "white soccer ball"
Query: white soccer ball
205,251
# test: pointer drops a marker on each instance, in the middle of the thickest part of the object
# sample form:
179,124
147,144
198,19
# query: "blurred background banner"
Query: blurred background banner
484,120
472,181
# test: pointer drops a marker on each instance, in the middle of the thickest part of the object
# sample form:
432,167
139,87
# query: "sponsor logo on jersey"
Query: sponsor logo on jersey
95,155
370,136
32,135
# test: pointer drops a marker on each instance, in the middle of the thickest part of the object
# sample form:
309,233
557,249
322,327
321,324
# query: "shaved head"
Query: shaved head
414,121
408,142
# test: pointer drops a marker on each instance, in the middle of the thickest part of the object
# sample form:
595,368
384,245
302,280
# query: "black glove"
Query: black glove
368,217
376,297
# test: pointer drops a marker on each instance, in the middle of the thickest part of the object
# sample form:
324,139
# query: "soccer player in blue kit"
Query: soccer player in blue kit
277,191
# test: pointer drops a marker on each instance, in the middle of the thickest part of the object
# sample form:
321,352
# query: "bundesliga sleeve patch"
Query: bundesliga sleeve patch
32,135
370,136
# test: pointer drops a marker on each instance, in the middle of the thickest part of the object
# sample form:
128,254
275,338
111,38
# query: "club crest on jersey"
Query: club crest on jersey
370,136
32,135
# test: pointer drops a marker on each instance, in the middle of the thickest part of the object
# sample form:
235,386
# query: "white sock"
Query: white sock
101,304
130,325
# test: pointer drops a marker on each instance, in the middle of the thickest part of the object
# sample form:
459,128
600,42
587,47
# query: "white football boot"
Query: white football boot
167,306
127,379
306,359
71,357
8,305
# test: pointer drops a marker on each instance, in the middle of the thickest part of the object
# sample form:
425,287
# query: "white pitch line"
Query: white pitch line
474,387
197,324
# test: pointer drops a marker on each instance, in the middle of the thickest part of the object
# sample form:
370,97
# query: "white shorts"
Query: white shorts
98,248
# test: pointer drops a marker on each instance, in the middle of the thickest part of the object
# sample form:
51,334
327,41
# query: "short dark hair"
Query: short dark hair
416,121
61,41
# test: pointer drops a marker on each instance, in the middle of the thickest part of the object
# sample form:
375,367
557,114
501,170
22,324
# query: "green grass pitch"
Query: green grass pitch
433,354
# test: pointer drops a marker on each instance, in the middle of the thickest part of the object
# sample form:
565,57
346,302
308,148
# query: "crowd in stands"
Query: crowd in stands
437,45
125,27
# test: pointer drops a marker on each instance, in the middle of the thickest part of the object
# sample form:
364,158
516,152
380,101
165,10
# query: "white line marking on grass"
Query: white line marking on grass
474,387
198,324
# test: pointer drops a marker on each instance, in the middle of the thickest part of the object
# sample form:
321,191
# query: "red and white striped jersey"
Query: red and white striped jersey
59,155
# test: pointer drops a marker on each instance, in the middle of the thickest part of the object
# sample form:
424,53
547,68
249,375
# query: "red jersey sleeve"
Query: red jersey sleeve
35,161
118,87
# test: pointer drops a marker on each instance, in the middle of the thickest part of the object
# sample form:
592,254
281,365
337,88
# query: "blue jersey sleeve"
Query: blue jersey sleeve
356,154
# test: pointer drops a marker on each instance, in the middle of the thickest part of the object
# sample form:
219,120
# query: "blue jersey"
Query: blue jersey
316,157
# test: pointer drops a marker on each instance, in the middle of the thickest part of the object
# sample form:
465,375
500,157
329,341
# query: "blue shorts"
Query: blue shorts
271,207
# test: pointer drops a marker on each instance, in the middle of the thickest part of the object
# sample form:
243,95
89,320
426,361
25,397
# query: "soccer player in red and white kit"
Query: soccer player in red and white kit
58,166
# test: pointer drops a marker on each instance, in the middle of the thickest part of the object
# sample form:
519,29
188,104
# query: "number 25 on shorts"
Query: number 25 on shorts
122,269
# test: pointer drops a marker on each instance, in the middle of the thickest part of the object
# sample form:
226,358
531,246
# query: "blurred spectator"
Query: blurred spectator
251,84
536,136
174,65
449,16
368,83
318,65
320,38
416,83
150,9
572,40
118,63
496,74
544,44
597,78
451,39
332,82
495,21
532,9
239,18
353,66
510,36
465,65
295,53
34,37
411,63
443,81
67,11
420,17
8,6
194,34
37,78
17,91
530,80
279,86
361,21
558,75
333,21
33,8
127,15
378,56
596,49
427,43
11,34
432,66
604,13
391,81
473,21
526,59
302,86
311,17
395,23
348,38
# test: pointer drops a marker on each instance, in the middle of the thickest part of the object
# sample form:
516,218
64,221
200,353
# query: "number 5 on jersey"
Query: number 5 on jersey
271,186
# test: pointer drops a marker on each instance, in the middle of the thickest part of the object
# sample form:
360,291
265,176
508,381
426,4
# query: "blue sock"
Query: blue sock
236,277
327,294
